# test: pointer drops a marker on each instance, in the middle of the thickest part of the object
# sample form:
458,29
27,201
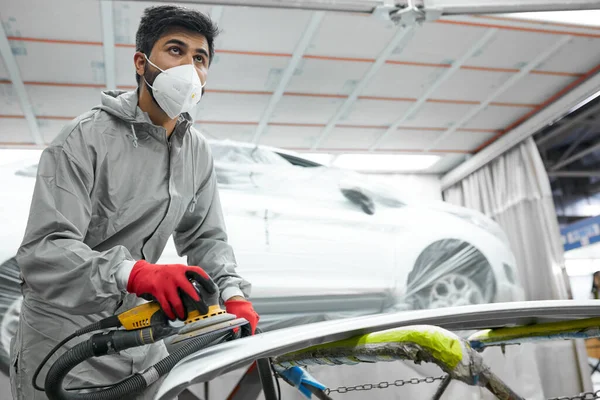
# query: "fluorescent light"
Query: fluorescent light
576,17
321,158
386,162
10,156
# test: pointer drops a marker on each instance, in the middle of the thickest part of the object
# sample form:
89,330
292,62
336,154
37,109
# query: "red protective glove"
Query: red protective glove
164,283
243,309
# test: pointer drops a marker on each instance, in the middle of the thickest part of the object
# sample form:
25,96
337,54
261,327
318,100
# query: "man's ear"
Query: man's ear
140,62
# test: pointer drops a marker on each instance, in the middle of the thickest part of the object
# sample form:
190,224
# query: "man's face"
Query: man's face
175,48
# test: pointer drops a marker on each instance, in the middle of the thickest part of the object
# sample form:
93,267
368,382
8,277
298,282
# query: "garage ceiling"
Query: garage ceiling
309,81
570,150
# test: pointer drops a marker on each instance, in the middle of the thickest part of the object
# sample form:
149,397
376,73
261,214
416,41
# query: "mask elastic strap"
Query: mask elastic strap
149,85
154,65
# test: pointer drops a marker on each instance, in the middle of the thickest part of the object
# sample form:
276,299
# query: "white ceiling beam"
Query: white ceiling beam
17,83
434,7
108,40
455,7
503,88
448,7
416,106
297,55
400,39
360,6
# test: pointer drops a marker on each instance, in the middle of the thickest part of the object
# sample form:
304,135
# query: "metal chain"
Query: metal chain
583,396
430,379
383,385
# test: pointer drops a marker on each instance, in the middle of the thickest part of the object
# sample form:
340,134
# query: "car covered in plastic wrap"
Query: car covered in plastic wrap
316,242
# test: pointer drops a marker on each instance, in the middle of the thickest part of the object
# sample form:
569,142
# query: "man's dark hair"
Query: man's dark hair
157,21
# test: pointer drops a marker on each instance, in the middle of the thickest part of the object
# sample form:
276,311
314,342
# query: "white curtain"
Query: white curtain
515,191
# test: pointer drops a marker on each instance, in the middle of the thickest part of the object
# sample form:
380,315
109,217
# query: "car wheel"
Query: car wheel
10,308
450,272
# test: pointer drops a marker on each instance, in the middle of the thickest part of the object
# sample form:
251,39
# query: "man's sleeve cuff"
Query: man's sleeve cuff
122,274
230,292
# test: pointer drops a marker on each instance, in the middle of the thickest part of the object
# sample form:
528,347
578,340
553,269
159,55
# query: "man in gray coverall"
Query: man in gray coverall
110,190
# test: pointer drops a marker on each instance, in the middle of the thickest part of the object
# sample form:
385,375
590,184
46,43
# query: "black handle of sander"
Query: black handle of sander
114,341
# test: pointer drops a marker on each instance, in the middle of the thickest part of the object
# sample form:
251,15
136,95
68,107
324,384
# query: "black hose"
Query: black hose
276,376
70,360
110,322
135,384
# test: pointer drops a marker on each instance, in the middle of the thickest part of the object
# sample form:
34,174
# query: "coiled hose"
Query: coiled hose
134,384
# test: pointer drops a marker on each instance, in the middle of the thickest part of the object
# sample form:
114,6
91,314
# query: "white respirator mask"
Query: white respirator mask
176,90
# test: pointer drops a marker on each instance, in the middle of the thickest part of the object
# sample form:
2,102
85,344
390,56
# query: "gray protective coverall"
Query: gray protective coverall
111,189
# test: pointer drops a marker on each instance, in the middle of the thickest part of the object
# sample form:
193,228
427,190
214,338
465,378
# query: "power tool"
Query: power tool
205,323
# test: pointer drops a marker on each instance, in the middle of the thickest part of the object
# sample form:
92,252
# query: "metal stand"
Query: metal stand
266,378
499,388
442,388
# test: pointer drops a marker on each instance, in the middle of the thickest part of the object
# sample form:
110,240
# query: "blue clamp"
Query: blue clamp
301,379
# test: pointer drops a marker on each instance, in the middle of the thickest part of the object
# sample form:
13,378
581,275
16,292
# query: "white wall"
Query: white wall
581,286
581,264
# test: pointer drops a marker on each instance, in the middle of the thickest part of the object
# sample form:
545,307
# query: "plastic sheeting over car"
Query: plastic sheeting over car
327,243
448,271
246,167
